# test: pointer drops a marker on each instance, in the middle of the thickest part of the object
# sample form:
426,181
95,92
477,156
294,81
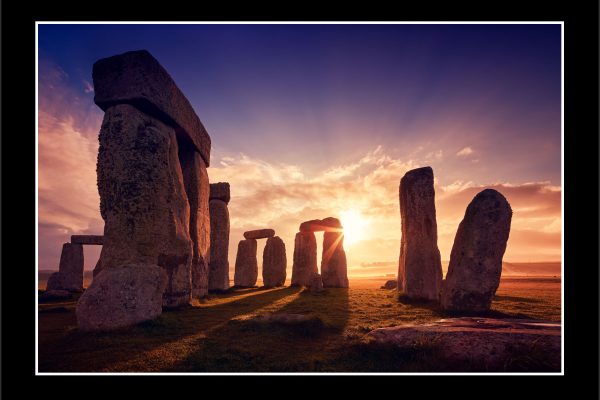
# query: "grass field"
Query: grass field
220,334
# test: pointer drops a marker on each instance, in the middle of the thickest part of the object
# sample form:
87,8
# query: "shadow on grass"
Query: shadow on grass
515,298
292,338
62,347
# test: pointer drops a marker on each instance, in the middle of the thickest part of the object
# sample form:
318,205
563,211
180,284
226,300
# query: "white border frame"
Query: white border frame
562,130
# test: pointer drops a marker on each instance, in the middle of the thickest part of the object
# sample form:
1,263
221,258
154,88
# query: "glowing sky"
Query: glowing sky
310,121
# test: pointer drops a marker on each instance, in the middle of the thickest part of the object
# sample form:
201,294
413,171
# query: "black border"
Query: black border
581,175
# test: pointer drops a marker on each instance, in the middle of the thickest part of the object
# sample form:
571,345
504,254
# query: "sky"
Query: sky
311,121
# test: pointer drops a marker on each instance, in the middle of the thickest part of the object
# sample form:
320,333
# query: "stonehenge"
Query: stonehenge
246,264
305,259
122,296
476,258
333,261
154,193
70,270
259,234
420,265
274,260
218,277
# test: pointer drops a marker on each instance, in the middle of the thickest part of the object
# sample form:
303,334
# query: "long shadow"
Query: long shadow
309,323
65,348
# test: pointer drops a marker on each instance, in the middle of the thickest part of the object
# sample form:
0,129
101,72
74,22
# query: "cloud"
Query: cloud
466,151
280,195
67,149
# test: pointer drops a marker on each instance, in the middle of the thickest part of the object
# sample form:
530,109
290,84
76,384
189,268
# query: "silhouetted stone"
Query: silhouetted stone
259,234
328,224
333,262
476,258
218,277
488,342
143,200
122,296
316,283
420,266
390,285
246,264
87,239
70,270
305,259
220,191
195,179
137,78
274,262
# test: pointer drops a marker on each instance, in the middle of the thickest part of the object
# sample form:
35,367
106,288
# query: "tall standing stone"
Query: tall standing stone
70,269
218,277
246,264
334,270
143,200
149,133
476,258
274,262
420,266
195,179
305,259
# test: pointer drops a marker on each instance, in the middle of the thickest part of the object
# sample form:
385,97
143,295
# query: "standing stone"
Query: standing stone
305,259
316,283
274,262
420,266
476,258
70,270
197,188
122,296
333,262
143,200
246,264
218,277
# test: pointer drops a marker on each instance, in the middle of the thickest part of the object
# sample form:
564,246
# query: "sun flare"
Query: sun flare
354,226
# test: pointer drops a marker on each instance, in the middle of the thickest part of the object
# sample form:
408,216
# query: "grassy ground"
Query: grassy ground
220,334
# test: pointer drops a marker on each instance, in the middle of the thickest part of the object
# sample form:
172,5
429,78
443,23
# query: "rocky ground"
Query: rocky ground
290,329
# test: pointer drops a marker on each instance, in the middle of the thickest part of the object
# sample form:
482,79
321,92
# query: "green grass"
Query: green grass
222,334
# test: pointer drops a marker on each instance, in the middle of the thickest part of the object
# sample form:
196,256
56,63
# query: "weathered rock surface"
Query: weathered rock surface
137,78
259,234
50,295
328,224
333,262
420,266
476,258
305,259
218,277
246,264
274,262
316,283
122,296
197,188
143,200
70,270
55,282
87,239
490,342
220,191
390,285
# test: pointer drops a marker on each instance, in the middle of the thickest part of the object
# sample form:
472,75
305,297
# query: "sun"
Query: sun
354,226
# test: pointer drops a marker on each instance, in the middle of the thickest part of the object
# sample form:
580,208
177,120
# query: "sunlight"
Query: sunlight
354,226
